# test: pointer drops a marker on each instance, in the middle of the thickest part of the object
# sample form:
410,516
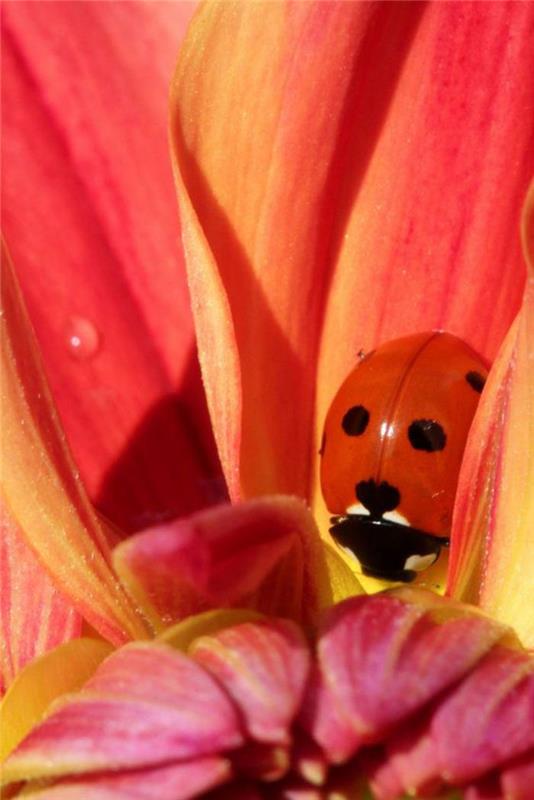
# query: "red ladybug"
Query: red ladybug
392,447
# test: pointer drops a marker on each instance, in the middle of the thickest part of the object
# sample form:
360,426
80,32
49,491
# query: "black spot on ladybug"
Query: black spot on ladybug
475,380
355,421
427,434
323,443
377,498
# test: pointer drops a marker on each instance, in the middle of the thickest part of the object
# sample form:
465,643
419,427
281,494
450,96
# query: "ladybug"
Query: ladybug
392,446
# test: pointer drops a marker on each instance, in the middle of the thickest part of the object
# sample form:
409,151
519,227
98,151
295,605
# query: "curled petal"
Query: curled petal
264,667
35,616
41,488
403,655
146,705
492,554
264,554
174,782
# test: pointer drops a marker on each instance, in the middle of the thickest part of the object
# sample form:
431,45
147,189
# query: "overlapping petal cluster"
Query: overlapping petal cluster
346,173
383,694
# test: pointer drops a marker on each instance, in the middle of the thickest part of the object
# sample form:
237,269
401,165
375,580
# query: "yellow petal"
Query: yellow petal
208,623
492,555
59,671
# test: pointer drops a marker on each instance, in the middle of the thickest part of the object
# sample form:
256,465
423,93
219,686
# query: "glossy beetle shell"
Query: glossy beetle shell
396,431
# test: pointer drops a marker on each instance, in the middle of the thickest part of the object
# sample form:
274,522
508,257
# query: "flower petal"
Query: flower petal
382,659
251,210
84,120
502,690
42,681
147,704
517,779
183,634
492,557
173,782
35,615
477,727
264,554
391,105
41,489
264,667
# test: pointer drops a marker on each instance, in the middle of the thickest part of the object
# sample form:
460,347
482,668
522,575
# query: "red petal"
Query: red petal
90,215
517,779
147,704
42,490
35,616
174,782
488,789
264,667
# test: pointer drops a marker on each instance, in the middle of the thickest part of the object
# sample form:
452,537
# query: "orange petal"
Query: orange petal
492,554
35,615
336,167
62,670
41,488
256,101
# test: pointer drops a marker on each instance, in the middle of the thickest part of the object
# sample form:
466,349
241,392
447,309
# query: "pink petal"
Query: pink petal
413,759
147,704
325,720
501,690
264,554
90,216
381,659
174,782
35,616
263,666
349,197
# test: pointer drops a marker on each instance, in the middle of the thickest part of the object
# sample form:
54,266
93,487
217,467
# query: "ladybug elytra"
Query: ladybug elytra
392,448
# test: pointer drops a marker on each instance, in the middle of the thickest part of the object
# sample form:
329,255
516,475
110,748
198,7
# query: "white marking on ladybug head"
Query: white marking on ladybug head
419,563
357,508
394,516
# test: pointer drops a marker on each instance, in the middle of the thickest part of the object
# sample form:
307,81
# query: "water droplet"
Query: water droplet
83,339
